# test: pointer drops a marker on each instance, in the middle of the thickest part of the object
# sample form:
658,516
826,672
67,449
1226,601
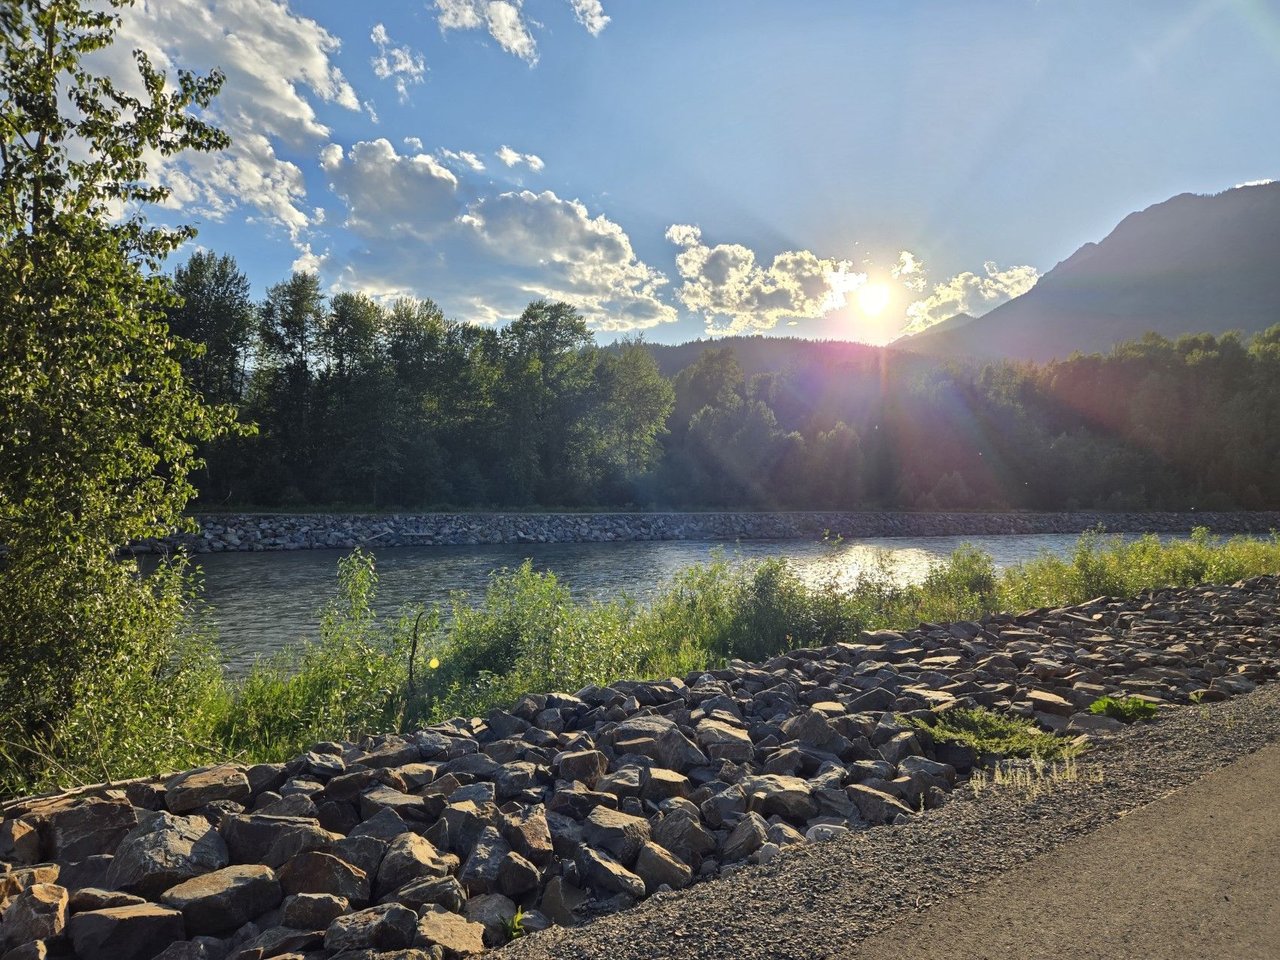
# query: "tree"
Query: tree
97,424
216,314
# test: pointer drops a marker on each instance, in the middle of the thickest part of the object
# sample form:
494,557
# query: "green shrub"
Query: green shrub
987,732
1127,709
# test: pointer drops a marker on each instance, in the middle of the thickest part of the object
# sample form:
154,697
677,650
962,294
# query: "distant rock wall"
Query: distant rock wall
344,531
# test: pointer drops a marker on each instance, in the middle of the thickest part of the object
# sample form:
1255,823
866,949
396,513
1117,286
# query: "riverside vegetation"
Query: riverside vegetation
167,704
441,842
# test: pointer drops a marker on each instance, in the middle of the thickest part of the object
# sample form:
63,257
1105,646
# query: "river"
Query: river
263,602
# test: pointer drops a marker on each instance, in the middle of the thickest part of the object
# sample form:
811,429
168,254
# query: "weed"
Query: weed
995,734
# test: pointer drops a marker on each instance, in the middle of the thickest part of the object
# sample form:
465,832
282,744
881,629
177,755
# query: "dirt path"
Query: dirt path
1194,874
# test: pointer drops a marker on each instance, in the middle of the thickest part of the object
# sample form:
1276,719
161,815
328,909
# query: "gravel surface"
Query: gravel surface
822,900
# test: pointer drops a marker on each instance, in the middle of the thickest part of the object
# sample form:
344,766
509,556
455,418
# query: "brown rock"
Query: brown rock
409,857
94,898
529,835
226,899
456,935
313,911
19,842
619,833
656,867
90,828
315,872
193,789
125,933
164,851
38,913
386,927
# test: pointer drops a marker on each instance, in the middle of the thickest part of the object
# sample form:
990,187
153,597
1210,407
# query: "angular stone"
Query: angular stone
619,833
193,789
389,926
315,872
283,943
516,875
35,950
1044,702
684,835
125,933
813,729
561,900
255,838
1094,723
444,891
528,834
454,934
661,784
601,871
495,913
88,829
94,898
220,902
164,851
723,741
480,872
363,852
876,806
586,766
746,838
673,749
38,913
312,911
19,843
409,857
788,797
14,882
724,806
657,868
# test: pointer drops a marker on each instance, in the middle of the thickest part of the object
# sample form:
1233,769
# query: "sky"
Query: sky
847,169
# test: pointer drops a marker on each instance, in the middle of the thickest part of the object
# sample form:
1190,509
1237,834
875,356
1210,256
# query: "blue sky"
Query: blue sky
846,168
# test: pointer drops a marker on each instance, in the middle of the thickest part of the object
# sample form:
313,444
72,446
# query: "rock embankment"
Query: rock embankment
569,805
336,531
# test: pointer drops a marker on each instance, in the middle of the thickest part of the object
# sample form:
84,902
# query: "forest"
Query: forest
360,404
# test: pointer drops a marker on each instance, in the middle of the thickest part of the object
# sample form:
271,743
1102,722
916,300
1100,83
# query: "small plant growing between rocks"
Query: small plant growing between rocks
988,733
1125,709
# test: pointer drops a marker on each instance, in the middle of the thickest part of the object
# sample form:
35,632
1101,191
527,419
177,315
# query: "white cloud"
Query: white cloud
463,158
1254,183
909,271
277,63
735,294
514,158
590,14
970,293
400,65
414,143
308,261
423,230
506,23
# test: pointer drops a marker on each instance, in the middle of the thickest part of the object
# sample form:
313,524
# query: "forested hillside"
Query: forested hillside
361,405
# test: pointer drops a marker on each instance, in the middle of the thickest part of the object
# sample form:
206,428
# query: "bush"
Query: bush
997,734
1126,709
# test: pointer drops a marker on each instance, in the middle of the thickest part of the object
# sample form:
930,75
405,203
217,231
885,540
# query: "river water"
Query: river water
265,601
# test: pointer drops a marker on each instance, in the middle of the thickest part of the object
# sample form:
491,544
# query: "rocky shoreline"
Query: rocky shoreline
574,805
256,532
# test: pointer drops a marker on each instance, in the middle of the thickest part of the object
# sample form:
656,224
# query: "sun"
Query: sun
873,298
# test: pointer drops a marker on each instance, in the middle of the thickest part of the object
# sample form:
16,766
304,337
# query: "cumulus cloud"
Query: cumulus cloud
514,158
909,271
506,23
735,294
277,64
590,14
401,65
970,293
424,230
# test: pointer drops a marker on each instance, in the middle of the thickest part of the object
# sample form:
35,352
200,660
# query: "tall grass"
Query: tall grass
169,706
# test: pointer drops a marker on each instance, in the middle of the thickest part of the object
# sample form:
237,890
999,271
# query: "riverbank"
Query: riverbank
569,806
257,532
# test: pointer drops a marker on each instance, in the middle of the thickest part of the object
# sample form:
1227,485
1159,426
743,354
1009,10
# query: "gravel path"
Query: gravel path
823,900
1192,874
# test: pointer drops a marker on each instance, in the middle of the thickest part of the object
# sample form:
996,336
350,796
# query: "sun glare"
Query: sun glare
873,298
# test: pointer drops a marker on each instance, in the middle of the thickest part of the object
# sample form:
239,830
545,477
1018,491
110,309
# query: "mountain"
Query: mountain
1192,264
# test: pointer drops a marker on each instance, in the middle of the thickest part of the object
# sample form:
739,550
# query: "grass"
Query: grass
996,734
168,706
1032,779
1126,709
